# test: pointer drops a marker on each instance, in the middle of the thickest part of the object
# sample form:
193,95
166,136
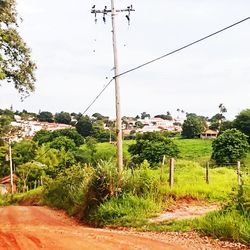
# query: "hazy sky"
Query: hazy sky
74,57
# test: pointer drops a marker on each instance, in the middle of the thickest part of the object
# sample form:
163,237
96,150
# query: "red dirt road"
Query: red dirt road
42,228
28,228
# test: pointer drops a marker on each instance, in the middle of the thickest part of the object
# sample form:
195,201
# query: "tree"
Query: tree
165,117
242,122
193,126
70,133
152,147
63,117
42,136
63,142
16,65
84,126
91,144
230,147
24,151
4,164
29,172
144,115
5,126
45,116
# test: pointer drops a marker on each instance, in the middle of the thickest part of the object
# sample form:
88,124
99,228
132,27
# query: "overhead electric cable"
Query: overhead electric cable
98,96
184,47
163,56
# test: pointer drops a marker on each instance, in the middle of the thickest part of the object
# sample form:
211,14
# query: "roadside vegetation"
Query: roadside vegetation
77,172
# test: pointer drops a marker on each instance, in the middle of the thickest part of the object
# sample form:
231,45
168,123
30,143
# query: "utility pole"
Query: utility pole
11,168
113,12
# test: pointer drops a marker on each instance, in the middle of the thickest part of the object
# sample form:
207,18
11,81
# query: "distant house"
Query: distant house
209,134
5,184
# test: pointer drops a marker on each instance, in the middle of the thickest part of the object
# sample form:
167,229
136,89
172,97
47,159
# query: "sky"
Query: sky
75,59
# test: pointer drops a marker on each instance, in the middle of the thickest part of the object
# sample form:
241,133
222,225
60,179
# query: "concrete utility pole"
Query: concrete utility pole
113,12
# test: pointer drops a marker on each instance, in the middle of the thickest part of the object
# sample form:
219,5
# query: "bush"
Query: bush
67,191
152,147
230,147
126,210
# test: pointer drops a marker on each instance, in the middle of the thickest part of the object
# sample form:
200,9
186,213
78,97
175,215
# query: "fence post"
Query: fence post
162,166
207,173
238,173
171,173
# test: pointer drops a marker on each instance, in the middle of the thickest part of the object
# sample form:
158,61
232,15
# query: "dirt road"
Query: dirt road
43,228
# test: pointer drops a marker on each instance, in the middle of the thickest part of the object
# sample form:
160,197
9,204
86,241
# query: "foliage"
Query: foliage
84,126
145,115
63,117
44,136
28,173
4,165
126,210
230,147
5,126
67,191
242,122
63,142
101,134
152,147
91,146
165,117
15,62
70,133
193,126
24,151
227,224
45,116
49,157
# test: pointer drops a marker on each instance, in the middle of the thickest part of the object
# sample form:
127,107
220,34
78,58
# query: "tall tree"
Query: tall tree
84,126
63,117
145,115
193,126
242,122
45,116
16,65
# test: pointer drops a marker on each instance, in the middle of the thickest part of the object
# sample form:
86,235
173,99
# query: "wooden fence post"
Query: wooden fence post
238,173
171,173
162,166
207,173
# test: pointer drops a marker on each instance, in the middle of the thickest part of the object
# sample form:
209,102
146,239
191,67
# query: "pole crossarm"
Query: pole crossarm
93,11
105,12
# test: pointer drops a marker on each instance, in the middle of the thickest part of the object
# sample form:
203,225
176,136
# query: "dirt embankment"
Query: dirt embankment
42,228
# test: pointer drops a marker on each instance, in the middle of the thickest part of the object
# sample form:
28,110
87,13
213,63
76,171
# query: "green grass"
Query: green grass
190,181
198,150
32,197
128,210
227,224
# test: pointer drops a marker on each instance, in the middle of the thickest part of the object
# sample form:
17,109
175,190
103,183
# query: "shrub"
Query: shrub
152,146
230,147
68,189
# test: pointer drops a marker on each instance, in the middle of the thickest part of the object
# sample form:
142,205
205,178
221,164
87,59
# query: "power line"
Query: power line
182,48
98,96
163,56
